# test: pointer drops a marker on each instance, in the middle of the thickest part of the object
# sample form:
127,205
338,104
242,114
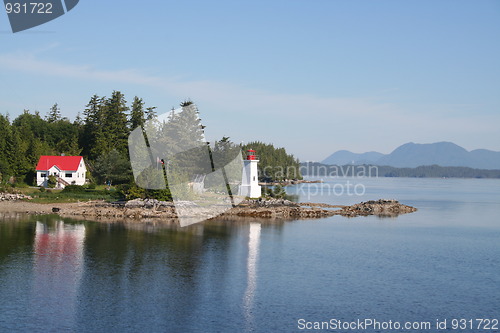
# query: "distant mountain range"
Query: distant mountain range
412,155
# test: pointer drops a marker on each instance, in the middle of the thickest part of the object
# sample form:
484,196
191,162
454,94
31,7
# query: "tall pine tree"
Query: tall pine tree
54,114
5,129
137,116
115,130
92,127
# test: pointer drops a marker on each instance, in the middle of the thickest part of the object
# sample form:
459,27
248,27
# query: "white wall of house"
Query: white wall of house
71,177
41,178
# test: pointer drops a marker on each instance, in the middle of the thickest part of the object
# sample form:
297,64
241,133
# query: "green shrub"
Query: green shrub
278,192
162,195
7,188
130,192
74,189
52,181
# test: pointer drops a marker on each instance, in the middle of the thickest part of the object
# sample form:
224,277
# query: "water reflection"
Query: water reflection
233,276
251,275
57,272
86,276
253,255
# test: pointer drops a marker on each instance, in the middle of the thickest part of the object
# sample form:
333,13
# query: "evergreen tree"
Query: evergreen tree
32,126
78,120
54,114
16,155
92,127
183,140
137,116
113,168
115,130
150,112
224,151
5,129
22,139
64,137
275,164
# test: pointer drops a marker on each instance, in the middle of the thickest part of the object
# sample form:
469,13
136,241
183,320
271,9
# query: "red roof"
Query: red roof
64,163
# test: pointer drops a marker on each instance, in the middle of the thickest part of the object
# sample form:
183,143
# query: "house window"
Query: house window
69,175
43,175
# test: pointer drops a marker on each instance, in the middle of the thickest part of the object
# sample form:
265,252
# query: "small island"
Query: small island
138,210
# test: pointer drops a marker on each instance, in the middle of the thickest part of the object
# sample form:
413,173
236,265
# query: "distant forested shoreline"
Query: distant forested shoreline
428,171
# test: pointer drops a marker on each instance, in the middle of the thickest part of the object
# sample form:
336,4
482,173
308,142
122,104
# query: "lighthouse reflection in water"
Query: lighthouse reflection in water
253,256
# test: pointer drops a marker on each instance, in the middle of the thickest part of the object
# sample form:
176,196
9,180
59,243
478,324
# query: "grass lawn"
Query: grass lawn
59,196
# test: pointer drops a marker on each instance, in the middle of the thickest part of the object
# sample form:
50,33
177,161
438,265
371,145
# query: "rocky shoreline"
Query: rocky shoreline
138,209
286,209
13,196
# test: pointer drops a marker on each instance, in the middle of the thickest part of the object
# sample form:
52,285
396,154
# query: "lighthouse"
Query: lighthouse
249,180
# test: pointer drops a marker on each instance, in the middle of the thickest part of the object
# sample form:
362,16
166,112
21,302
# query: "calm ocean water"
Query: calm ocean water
440,263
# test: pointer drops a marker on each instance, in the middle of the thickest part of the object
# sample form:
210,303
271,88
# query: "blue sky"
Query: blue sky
312,76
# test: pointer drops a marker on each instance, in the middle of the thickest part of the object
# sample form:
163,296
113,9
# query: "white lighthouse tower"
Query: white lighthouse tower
249,180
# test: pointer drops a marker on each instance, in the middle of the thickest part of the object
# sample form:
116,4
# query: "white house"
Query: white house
68,170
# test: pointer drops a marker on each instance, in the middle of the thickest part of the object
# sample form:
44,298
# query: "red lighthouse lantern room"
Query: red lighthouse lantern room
251,154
